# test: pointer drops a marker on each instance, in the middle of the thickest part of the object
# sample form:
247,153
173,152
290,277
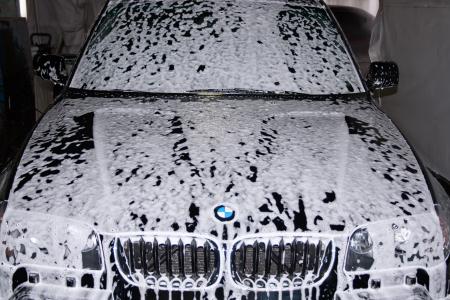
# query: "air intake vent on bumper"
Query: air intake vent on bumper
172,263
281,263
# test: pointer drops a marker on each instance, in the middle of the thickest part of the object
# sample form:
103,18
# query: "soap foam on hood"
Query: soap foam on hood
164,165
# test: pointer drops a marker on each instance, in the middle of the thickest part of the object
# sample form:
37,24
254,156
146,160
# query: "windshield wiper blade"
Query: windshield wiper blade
233,91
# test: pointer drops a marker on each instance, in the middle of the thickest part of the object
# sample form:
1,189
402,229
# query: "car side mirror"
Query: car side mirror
51,67
383,75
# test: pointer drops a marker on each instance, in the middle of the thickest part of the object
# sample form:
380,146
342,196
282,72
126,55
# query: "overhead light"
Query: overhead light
23,8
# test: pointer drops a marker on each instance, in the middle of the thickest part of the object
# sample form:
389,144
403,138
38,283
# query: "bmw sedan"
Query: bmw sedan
206,149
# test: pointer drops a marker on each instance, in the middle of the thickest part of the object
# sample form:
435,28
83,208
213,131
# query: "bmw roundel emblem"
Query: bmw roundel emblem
224,213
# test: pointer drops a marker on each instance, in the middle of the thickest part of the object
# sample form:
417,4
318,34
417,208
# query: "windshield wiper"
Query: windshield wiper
237,92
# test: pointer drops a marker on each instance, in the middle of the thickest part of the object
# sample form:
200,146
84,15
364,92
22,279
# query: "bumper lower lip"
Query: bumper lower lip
32,292
390,293
43,291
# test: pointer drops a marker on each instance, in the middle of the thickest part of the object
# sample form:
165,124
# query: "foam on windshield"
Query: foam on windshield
179,46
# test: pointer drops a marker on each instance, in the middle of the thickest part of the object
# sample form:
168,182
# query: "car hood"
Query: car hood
166,163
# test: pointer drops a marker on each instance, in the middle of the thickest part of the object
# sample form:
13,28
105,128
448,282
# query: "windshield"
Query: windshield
192,45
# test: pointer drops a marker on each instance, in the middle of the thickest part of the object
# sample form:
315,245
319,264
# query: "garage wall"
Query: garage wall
415,34
8,8
68,21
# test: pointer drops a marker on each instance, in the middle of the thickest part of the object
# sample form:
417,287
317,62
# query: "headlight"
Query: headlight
42,240
360,242
91,253
360,251
410,245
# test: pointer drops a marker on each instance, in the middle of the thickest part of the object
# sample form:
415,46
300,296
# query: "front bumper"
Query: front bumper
52,284
47,292
69,278
402,292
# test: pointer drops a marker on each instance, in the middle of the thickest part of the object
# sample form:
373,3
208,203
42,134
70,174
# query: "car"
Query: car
220,150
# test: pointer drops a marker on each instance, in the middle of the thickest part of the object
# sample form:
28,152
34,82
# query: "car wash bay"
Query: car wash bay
407,32
170,164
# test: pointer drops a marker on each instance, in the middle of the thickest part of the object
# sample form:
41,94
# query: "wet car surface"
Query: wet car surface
221,150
